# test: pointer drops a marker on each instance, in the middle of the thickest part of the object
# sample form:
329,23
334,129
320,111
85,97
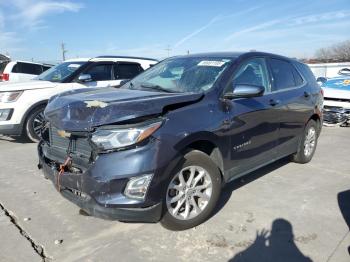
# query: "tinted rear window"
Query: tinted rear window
46,68
127,70
282,72
307,73
2,66
25,68
297,77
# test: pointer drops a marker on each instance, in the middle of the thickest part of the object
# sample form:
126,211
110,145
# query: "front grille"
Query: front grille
79,145
335,115
337,99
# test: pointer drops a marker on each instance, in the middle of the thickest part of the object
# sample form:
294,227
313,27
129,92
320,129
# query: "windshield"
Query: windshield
60,72
182,74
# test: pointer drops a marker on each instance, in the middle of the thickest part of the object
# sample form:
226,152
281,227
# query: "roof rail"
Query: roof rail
131,57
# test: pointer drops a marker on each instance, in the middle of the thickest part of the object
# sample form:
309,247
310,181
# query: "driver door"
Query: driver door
253,122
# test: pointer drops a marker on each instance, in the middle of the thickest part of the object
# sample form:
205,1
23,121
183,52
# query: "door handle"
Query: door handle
306,94
274,102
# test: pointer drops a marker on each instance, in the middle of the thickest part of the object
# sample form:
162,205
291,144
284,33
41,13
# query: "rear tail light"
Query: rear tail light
4,77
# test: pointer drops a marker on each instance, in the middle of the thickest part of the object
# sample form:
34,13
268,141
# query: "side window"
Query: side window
253,72
2,66
100,72
25,68
126,70
46,68
283,74
297,77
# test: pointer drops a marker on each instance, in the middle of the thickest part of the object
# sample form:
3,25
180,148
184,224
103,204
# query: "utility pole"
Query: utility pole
64,51
168,49
188,52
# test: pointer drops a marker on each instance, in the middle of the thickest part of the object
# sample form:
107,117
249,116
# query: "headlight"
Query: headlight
107,139
8,97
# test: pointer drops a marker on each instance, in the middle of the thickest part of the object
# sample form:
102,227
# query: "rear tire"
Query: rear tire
192,192
34,123
308,143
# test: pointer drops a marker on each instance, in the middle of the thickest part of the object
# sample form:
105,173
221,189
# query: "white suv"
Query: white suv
19,71
22,104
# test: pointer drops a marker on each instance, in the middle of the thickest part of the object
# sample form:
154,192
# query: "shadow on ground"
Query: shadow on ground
15,139
229,188
274,246
344,206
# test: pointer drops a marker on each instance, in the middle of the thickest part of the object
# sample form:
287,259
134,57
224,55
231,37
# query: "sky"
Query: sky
34,30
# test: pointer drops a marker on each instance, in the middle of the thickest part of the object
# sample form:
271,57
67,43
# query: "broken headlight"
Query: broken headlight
107,139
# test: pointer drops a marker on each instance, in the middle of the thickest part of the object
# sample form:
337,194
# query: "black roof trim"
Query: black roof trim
131,57
236,54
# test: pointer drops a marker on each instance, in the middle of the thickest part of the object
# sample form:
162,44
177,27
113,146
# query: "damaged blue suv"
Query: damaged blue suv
161,147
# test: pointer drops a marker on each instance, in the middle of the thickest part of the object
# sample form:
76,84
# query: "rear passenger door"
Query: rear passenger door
126,70
289,89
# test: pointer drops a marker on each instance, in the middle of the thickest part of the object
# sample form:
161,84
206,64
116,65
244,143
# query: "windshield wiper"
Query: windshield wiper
158,88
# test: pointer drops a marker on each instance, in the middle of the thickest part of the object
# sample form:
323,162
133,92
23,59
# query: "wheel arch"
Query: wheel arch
30,109
316,117
204,142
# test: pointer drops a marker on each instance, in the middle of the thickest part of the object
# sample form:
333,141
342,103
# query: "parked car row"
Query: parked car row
337,99
19,71
160,147
22,103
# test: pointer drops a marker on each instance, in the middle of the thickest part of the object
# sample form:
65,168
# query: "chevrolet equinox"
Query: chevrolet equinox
162,146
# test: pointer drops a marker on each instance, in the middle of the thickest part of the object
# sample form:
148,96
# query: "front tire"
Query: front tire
34,124
192,193
308,143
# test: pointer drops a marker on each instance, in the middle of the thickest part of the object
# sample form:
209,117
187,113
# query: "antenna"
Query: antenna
168,49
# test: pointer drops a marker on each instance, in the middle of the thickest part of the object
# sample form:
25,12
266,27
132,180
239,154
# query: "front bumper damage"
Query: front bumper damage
97,188
336,112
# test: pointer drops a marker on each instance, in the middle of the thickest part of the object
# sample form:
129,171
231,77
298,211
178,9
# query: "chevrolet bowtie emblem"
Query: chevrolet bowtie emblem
63,134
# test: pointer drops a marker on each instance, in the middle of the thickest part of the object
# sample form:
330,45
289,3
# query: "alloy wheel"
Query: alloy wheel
310,141
38,123
189,193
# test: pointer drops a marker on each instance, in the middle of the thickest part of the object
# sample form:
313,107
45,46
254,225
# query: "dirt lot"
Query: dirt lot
283,212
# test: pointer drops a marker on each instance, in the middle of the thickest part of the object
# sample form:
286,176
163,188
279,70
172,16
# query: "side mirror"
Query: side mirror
321,80
85,78
245,91
123,82
344,71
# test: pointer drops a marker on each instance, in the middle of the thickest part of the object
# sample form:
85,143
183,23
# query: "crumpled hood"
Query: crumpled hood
32,84
84,109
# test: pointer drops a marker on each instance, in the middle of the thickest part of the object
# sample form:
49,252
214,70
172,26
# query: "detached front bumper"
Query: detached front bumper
98,192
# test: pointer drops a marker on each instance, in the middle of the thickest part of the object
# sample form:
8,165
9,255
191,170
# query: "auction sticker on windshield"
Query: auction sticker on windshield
74,66
211,63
